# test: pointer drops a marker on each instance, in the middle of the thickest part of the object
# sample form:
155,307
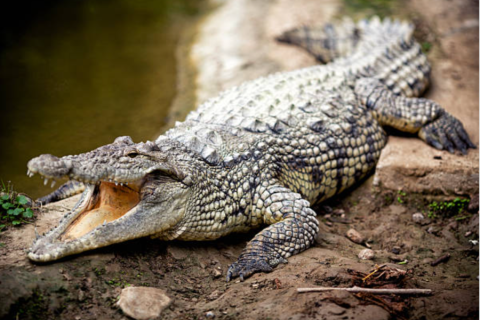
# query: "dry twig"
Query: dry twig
440,260
367,290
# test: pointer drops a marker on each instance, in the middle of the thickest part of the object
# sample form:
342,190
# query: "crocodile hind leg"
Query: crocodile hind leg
419,116
66,190
293,229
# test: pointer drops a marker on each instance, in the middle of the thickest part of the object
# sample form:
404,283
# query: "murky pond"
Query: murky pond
79,73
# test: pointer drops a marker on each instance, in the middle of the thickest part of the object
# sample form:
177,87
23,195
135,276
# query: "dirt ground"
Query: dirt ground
87,286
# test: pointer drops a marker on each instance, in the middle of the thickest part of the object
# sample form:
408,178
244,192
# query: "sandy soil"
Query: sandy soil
193,274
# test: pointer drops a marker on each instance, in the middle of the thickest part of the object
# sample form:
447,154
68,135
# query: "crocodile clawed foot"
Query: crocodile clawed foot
447,133
250,264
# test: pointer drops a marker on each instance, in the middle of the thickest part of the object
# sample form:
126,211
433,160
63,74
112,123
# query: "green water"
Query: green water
83,72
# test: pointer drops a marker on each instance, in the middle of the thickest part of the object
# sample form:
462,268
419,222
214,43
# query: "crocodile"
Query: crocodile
259,154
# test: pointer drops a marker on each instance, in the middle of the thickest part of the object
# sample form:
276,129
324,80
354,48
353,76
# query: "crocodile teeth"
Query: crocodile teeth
53,184
30,173
36,234
45,181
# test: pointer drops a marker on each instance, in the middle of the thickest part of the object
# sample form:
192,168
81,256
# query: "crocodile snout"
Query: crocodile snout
49,166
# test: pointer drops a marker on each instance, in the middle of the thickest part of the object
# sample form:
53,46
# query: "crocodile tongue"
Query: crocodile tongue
108,203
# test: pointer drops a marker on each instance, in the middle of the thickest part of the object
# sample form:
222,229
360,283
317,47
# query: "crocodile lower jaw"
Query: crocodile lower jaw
100,204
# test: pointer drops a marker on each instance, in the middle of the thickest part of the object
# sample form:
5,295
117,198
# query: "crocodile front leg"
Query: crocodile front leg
420,116
66,190
293,229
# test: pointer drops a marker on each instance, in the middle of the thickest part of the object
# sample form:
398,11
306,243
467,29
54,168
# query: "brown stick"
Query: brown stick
440,260
367,290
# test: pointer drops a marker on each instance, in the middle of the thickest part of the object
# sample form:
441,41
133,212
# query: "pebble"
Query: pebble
143,303
327,209
417,217
338,212
81,295
214,295
473,205
217,273
396,250
433,230
355,236
366,254
210,315
468,233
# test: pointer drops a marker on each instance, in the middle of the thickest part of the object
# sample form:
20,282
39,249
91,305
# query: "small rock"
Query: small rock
355,236
217,273
81,295
178,253
143,303
214,295
453,225
327,209
336,310
366,254
434,230
417,217
210,315
396,250
473,205
468,233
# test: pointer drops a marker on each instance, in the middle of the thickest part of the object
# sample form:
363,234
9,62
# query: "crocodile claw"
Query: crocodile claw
446,133
250,264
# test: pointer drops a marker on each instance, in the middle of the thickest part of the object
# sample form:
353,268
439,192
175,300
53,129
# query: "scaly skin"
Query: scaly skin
258,154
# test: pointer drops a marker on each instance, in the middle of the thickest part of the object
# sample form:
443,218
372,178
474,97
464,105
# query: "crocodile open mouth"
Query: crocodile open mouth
107,202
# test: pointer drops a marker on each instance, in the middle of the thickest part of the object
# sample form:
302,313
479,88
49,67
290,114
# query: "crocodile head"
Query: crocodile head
132,191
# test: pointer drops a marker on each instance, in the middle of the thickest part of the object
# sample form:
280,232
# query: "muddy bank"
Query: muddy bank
192,274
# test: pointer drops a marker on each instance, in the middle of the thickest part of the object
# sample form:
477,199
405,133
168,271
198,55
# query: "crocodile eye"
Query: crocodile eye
132,154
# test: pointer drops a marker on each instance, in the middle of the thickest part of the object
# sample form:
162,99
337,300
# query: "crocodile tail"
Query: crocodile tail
374,48
326,42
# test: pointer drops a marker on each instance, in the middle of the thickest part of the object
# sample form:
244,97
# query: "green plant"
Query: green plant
13,207
118,283
431,215
400,195
426,46
448,208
